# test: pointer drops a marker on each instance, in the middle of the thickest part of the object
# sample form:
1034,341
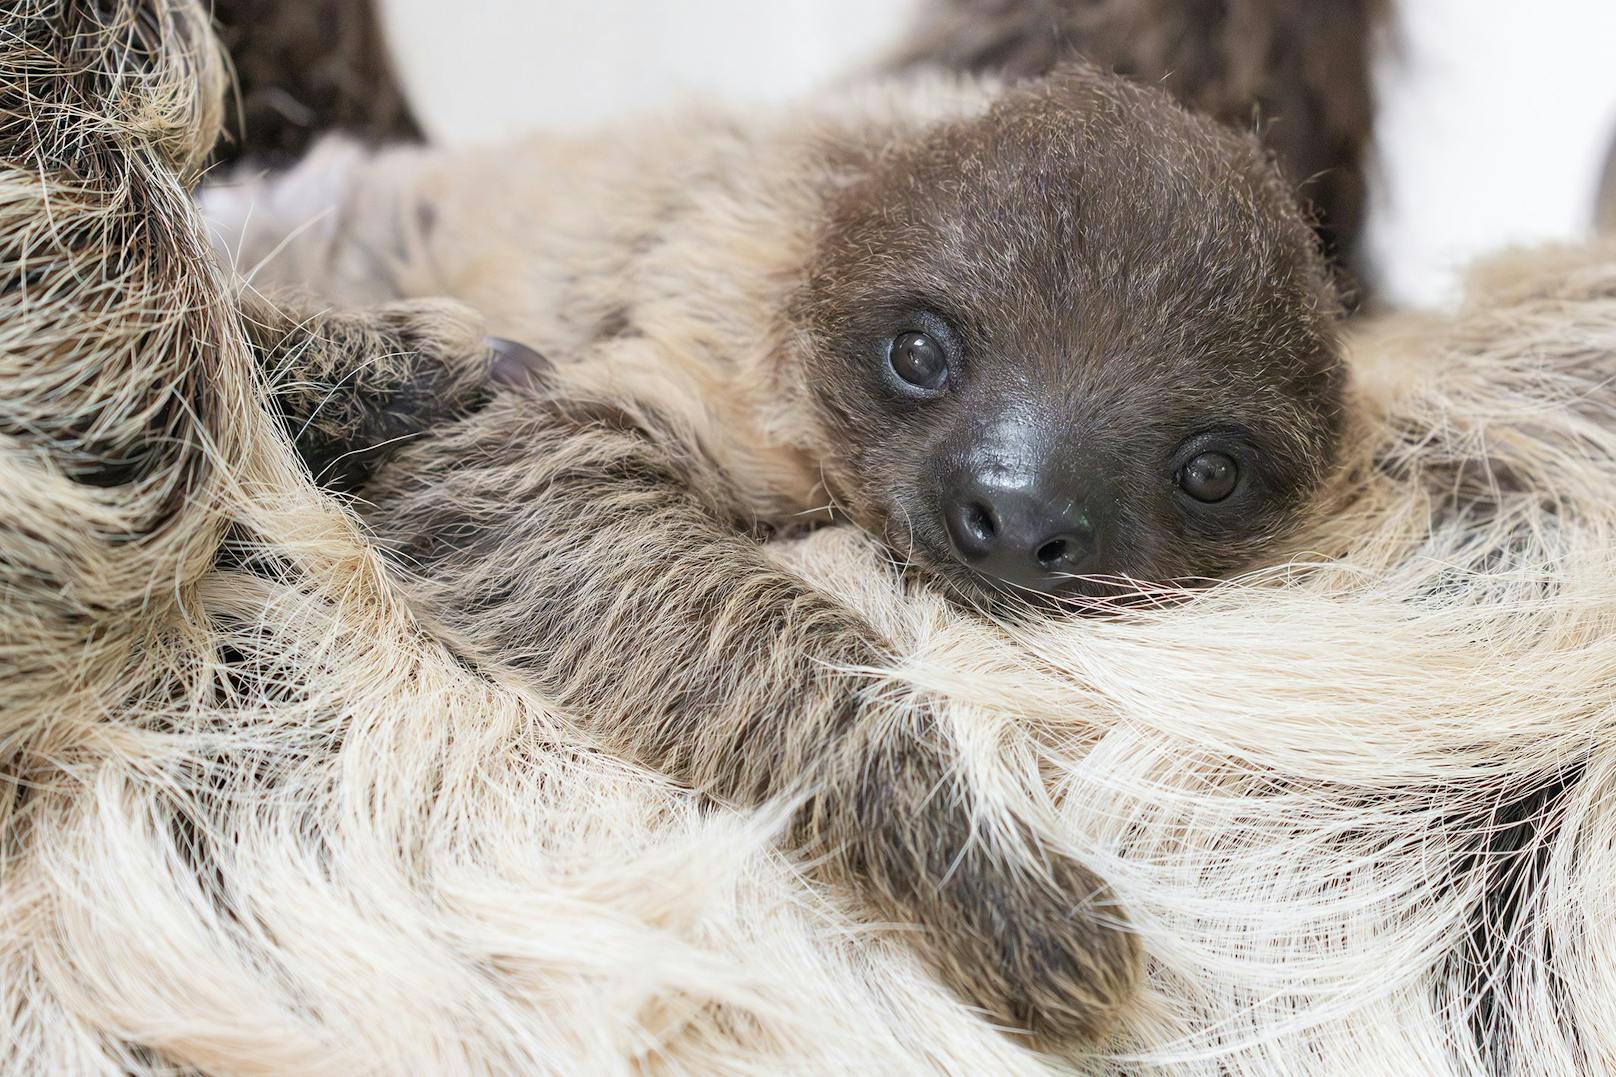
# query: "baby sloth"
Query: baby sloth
1061,339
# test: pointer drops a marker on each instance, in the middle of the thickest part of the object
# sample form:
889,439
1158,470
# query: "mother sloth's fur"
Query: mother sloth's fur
260,821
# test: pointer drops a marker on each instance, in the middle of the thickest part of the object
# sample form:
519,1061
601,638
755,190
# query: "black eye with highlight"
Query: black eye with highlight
1209,476
918,360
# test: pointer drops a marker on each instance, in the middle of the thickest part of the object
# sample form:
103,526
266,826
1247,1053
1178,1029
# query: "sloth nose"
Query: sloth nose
1034,534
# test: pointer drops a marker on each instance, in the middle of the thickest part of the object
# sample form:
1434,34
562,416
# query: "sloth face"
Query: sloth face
1081,342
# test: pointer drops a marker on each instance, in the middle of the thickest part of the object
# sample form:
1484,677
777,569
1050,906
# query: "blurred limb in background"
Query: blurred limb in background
1605,214
303,67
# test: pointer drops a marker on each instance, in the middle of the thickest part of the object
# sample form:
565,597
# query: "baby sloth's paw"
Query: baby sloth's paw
352,385
1036,944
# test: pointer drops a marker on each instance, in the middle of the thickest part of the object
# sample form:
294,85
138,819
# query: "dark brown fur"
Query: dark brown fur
1515,841
305,67
1298,71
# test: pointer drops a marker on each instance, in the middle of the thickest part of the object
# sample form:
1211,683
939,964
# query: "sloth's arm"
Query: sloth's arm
351,386
584,548
587,549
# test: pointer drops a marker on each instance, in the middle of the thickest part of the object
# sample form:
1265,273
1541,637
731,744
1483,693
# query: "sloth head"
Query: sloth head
1081,341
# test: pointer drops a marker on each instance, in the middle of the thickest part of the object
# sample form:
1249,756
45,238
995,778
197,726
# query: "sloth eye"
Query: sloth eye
1209,477
918,360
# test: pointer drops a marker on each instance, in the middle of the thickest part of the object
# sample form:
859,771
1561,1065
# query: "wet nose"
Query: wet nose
1034,534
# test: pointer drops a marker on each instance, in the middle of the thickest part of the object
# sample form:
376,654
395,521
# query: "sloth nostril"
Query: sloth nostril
979,521
1054,552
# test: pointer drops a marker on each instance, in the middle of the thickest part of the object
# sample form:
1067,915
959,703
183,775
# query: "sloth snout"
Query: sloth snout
1034,532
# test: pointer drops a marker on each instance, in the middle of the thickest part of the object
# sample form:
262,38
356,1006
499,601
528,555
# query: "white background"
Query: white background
1494,117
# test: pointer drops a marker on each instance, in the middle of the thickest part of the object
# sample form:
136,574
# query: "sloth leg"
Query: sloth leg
352,386
585,549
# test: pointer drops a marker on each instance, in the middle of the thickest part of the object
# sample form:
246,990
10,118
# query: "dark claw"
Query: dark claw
516,365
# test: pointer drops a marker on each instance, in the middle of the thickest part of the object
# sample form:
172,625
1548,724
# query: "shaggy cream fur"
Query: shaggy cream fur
1359,807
